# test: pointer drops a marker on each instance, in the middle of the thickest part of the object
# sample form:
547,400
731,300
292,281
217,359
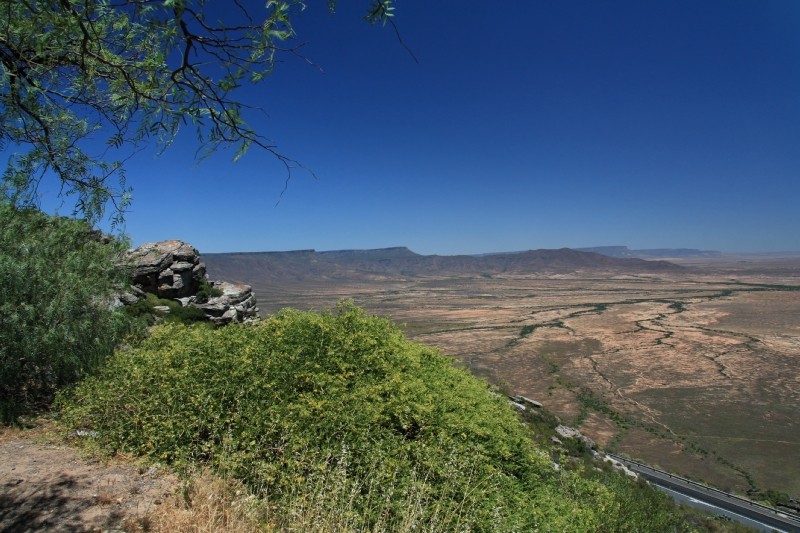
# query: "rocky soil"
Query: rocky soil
47,486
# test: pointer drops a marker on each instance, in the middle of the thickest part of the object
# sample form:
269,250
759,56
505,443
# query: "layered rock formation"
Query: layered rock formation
237,303
173,270
168,269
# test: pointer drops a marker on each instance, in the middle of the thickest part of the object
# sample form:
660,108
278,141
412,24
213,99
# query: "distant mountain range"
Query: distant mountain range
303,265
624,251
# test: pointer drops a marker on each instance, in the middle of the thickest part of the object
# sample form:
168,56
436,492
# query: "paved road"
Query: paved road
767,516
715,510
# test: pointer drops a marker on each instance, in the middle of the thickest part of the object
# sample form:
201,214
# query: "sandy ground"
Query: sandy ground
48,486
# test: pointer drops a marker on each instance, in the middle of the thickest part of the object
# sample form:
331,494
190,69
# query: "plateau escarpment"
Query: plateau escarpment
310,265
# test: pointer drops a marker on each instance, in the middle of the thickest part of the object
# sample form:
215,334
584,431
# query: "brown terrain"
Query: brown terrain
46,485
693,368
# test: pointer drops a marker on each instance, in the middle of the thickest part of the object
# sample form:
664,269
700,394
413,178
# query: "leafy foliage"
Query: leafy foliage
145,309
74,72
56,324
305,406
206,291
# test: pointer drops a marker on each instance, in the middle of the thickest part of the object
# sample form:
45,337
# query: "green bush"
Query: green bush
340,411
185,315
206,291
145,308
56,321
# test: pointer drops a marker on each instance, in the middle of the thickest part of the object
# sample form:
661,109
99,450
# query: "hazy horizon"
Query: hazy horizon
524,125
579,248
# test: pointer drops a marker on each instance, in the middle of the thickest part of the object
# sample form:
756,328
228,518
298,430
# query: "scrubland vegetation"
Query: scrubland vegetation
337,414
305,421
56,278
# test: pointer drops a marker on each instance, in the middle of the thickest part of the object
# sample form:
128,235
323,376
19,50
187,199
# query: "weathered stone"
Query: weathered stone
168,269
172,269
616,465
172,286
136,291
517,406
213,309
572,433
568,432
186,301
180,266
185,252
235,297
252,317
199,271
232,293
128,298
181,280
227,317
528,401
246,305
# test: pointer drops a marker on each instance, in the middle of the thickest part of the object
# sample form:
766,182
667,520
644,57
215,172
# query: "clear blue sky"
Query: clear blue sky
526,124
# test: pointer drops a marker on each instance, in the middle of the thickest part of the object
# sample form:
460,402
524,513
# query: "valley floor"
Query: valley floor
693,372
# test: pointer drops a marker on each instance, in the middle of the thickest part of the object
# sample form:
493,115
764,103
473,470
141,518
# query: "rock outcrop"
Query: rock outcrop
236,303
619,467
173,270
525,402
572,433
168,269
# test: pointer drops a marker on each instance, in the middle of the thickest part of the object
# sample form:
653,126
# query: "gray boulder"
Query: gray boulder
522,400
237,303
173,270
168,269
572,433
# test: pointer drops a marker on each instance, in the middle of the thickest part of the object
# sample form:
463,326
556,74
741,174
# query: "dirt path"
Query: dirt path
48,486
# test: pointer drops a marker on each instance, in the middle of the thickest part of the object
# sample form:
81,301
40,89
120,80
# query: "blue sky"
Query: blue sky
526,124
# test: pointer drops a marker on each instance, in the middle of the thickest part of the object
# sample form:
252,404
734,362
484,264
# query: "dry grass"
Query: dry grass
325,503
207,504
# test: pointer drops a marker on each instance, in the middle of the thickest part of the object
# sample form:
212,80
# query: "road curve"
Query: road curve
761,513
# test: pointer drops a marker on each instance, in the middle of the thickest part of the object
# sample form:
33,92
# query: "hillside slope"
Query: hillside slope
339,412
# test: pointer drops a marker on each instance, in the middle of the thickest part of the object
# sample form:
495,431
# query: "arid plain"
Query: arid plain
695,370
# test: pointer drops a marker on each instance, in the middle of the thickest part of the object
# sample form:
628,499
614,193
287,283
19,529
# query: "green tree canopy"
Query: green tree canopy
77,73
57,322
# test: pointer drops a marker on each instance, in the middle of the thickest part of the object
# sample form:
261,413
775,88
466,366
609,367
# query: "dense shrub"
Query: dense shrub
145,309
206,291
56,324
186,315
304,407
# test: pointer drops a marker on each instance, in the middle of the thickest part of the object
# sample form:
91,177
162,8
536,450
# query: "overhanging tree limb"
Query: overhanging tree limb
131,71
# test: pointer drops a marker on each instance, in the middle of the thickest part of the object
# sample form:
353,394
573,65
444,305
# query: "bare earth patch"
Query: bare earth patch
46,486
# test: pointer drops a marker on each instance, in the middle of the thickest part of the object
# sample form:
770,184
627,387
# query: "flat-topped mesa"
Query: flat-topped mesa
173,270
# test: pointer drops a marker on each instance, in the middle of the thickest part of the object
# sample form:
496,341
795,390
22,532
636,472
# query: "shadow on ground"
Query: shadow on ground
54,506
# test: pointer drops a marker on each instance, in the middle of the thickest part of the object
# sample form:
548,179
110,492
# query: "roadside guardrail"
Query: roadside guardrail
644,468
